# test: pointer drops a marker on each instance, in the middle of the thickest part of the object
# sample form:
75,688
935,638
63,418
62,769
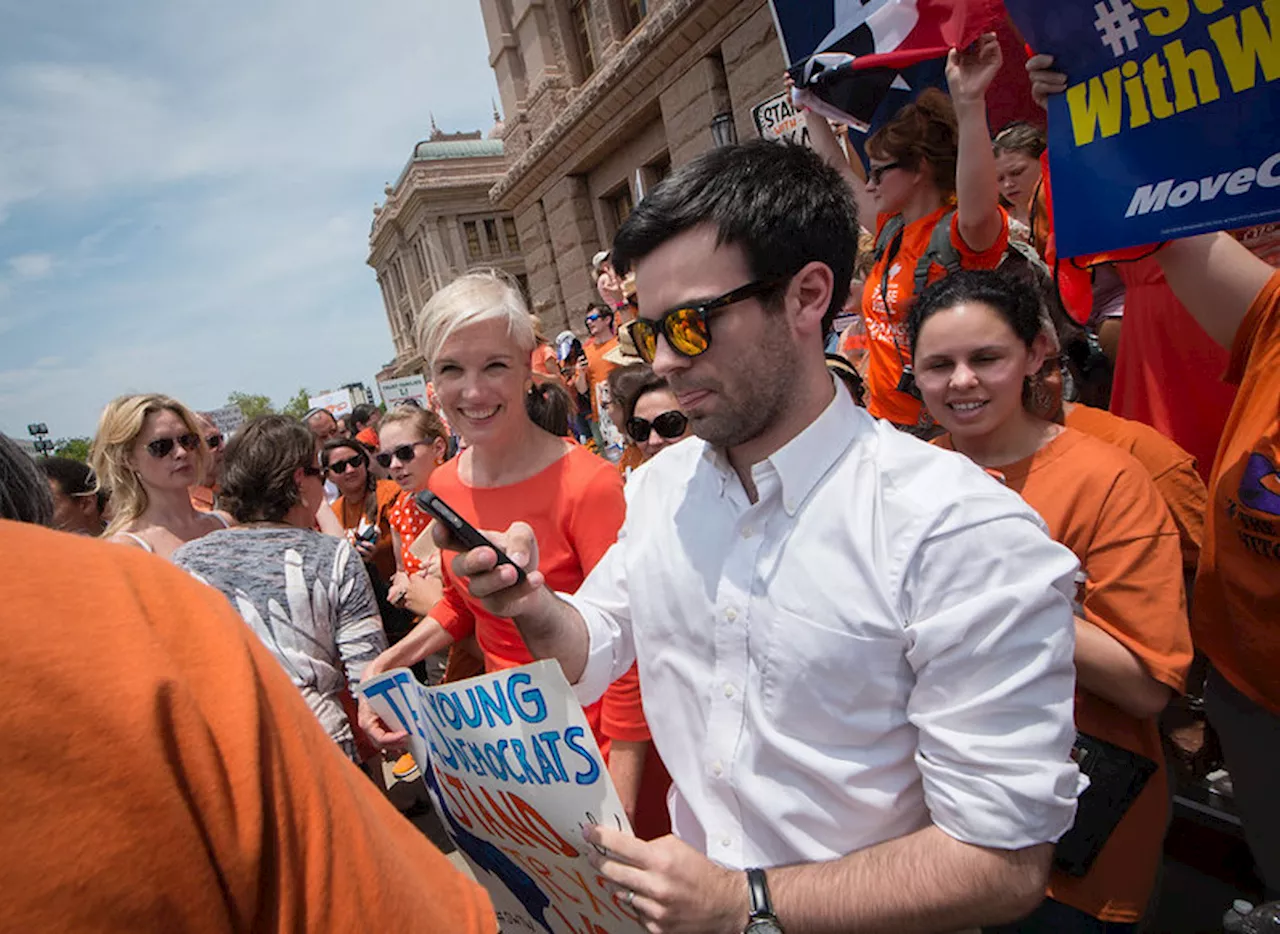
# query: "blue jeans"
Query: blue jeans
1056,918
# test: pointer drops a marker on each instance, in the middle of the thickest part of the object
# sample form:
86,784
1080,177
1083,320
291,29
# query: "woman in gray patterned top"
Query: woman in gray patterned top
306,594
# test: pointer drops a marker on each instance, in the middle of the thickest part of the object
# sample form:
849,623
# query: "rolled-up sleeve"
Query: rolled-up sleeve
991,642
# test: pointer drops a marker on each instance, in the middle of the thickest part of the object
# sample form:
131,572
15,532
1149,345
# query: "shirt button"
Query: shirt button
726,842
729,690
748,532
717,769
731,614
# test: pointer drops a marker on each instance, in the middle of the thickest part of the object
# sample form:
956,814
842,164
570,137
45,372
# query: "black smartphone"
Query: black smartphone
369,535
462,531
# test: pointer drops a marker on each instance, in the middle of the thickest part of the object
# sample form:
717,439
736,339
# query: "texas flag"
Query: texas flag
858,61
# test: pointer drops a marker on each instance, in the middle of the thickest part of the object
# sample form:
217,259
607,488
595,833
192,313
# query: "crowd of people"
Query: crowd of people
867,622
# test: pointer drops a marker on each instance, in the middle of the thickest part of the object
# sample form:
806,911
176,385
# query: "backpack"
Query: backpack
1087,369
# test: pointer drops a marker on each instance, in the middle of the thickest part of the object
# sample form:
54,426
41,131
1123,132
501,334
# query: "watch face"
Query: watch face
763,926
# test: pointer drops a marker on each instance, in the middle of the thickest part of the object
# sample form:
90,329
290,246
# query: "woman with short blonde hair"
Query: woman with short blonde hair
147,453
476,336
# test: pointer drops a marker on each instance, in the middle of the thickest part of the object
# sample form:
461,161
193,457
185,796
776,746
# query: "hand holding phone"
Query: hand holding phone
463,533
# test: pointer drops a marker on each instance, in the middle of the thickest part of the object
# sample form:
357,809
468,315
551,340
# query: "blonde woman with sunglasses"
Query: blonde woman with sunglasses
147,452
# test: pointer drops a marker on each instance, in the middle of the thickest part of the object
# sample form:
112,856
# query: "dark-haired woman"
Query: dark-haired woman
652,415
363,507
932,161
305,594
979,346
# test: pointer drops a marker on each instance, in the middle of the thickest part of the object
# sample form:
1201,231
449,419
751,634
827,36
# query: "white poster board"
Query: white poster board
338,402
403,389
776,118
515,776
228,418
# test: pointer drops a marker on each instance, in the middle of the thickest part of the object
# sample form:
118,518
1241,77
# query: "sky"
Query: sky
186,191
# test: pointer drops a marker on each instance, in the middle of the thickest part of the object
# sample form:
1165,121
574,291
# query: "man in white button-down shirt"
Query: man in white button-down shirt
855,649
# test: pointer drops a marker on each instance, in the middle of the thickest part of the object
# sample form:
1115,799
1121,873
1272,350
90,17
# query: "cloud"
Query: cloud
185,192
31,265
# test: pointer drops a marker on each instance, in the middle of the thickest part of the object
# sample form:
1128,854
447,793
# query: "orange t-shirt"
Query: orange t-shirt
543,363
386,492
598,370
885,305
1172,470
575,508
368,437
202,497
190,789
1099,502
1237,594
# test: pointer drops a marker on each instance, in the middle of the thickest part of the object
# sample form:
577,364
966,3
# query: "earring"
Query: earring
1039,395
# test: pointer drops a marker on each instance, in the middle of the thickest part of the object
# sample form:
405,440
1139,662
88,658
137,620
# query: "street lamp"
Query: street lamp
723,131
38,430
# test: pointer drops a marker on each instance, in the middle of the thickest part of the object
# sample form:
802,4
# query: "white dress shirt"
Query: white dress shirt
882,640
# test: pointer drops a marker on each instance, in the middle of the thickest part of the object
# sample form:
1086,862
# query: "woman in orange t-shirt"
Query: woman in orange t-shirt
477,341
978,340
932,159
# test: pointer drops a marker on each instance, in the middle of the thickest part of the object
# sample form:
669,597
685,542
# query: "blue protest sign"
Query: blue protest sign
515,776
1168,125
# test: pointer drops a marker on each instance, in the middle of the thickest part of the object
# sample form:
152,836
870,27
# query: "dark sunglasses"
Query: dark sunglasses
686,328
214,441
668,425
404,454
312,471
876,172
597,316
340,467
161,448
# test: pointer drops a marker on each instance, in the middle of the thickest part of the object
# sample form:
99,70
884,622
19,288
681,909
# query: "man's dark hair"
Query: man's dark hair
257,472
73,478
778,201
361,415
24,494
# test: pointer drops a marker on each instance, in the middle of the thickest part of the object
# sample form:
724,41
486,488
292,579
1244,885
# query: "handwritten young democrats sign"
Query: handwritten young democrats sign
1169,123
515,774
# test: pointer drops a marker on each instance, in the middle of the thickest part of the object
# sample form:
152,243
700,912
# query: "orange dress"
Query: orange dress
386,492
218,803
575,507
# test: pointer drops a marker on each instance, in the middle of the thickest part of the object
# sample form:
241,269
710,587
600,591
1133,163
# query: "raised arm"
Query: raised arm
1217,279
969,74
823,140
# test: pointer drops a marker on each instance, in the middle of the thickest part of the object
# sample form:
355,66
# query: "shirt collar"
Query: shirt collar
804,460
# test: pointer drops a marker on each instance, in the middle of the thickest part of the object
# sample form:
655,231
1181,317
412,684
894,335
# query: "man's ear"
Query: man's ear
809,295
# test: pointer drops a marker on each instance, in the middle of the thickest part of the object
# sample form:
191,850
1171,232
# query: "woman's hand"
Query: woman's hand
364,548
970,71
1045,82
399,587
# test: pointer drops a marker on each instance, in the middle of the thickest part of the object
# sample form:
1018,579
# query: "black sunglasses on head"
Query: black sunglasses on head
404,453
686,328
160,448
340,467
668,425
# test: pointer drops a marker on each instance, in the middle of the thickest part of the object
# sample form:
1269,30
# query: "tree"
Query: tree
74,448
251,405
298,405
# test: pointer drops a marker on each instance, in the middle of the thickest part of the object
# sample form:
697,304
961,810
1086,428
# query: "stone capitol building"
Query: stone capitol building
601,99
